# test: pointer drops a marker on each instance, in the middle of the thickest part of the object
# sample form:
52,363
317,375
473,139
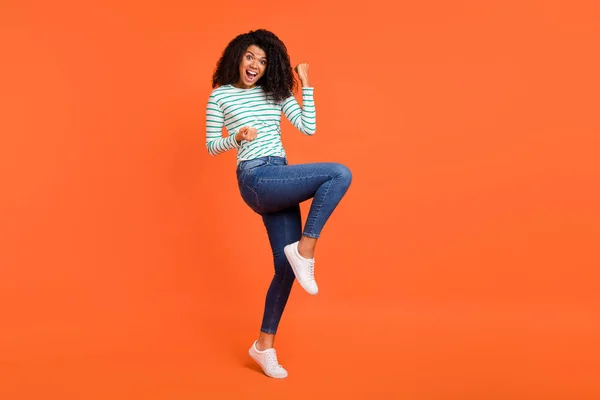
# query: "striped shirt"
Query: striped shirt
235,108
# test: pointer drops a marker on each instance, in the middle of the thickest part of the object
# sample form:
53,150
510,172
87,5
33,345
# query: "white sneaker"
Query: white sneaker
267,359
304,268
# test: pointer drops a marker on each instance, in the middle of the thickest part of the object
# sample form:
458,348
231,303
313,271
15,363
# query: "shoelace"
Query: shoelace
272,359
311,270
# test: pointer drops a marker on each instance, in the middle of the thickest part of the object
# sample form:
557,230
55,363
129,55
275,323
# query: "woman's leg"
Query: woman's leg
283,227
279,187
272,186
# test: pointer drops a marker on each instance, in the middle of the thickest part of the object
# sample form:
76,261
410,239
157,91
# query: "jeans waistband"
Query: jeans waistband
260,161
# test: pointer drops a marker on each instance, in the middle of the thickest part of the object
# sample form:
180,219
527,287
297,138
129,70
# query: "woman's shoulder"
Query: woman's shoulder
221,89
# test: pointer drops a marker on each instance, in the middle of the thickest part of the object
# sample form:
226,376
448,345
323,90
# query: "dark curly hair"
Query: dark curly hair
278,80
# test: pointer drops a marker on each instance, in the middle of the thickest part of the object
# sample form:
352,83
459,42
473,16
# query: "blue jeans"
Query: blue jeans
274,190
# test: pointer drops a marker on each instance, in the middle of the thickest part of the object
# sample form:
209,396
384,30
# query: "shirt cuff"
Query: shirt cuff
234,142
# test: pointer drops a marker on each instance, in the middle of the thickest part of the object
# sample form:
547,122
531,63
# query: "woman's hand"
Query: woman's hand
302,71
246,133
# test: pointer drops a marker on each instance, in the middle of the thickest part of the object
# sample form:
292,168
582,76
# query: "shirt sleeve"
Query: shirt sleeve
303,118
215,142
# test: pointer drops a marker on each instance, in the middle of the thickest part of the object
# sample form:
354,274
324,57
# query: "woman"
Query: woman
253,85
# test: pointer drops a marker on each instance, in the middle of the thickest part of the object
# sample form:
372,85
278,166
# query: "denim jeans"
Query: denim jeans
274,190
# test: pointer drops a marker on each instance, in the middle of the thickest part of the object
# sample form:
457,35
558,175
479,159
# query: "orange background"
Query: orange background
463,262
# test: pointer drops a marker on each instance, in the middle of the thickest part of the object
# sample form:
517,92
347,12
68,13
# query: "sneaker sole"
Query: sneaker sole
263,370
288,254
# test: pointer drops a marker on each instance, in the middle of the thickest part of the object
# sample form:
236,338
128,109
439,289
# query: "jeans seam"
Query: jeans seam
253,191
276,302
285,270
292,179
330,181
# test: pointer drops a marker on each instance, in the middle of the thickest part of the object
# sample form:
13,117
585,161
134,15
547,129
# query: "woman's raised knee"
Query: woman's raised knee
343,173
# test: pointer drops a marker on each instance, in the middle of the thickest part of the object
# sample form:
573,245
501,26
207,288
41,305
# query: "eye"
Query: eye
263,62
248,57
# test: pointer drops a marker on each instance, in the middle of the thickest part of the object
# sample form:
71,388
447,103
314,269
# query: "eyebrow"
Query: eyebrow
248,51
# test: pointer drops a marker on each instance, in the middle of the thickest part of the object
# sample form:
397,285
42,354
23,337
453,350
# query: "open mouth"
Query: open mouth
251,76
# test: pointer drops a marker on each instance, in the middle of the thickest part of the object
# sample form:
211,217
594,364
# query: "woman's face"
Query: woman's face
252,67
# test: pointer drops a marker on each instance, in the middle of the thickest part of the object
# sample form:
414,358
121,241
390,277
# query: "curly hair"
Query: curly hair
278,80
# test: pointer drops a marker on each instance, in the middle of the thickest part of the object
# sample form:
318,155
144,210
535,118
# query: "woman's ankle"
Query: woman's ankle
306,247
265,341
262,346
